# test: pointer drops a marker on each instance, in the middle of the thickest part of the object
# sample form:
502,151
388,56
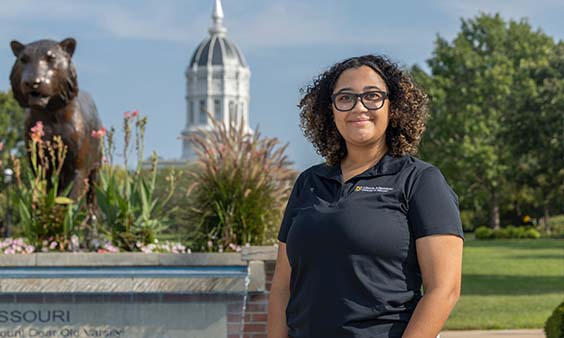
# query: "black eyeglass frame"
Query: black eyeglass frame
357,96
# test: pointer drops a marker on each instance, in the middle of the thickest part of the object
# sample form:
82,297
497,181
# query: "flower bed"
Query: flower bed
11,246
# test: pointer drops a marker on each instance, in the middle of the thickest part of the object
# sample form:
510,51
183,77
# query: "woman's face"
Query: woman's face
360,126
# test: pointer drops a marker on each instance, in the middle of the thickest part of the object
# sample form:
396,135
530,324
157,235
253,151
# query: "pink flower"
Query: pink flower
37,132
127,115
98,134
1,145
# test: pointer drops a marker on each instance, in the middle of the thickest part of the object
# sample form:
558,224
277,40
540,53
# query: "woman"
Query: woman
363,232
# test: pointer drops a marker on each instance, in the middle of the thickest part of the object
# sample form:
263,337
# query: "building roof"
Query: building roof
217,50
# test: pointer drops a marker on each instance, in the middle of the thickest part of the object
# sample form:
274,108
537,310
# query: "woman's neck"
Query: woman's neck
364,156
359,159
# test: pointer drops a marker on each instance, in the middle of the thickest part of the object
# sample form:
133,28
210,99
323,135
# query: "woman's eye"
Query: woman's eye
345,98
372,96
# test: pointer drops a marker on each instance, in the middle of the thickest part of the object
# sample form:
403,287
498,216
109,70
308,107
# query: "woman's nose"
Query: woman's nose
359,106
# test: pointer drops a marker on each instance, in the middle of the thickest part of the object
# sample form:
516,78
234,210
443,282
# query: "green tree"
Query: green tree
480,84
11,141
11,127
536,133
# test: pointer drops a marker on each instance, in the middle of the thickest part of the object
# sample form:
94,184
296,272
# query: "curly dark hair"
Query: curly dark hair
407,114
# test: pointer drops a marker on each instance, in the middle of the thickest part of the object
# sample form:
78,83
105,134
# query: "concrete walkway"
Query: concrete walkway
537,333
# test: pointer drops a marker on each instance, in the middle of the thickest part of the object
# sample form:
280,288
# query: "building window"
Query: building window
191,110
243,112
203,113
217,110
232,112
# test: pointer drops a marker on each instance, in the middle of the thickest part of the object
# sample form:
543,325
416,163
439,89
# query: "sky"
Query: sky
132,55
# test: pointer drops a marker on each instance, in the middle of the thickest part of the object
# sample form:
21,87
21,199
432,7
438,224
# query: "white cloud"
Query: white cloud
267,24
150,20
305,23
515,9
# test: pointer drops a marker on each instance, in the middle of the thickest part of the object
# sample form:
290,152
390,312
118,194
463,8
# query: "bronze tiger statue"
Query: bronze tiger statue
44,82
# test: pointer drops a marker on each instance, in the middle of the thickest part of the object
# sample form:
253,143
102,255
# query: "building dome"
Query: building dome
217,50
217,85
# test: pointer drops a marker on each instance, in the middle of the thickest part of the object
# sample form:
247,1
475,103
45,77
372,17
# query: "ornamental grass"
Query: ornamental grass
242,182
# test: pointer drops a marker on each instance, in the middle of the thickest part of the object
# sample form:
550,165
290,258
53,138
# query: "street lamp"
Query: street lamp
7,179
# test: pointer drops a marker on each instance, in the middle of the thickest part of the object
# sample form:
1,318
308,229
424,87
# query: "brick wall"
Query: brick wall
254,325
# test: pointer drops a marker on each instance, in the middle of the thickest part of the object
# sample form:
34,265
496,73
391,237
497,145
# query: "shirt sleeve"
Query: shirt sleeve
290,211
433,206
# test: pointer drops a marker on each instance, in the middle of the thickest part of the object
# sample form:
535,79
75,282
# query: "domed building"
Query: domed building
217,82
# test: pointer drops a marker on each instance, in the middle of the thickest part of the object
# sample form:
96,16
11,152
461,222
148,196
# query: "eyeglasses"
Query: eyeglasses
371,100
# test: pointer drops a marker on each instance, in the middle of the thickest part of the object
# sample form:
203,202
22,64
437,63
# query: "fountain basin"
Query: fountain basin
135,294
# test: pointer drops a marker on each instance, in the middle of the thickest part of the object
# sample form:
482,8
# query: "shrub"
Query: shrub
502,233
556,226
554,326
510,231
517,232
532,233
484,232
241,184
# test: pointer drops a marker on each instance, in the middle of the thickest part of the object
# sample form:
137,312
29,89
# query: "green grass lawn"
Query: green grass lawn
509,284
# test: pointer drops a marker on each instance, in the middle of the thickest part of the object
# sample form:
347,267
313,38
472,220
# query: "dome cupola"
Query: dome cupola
217,49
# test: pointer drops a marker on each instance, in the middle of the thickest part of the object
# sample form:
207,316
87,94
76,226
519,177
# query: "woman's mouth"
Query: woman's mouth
360,122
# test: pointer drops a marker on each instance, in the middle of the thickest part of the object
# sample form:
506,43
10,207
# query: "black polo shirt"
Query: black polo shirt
351,246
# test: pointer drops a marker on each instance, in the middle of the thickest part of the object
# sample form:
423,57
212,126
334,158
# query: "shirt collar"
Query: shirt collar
388,165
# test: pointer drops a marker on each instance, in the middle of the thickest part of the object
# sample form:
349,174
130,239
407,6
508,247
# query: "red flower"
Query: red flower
135,113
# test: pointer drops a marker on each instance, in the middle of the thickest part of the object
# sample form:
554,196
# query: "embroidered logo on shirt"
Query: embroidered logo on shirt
372,189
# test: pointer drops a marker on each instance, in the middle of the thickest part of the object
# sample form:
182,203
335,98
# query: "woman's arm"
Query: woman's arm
440,261
279,296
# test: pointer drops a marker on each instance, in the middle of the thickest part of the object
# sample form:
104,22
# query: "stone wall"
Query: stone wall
164,290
